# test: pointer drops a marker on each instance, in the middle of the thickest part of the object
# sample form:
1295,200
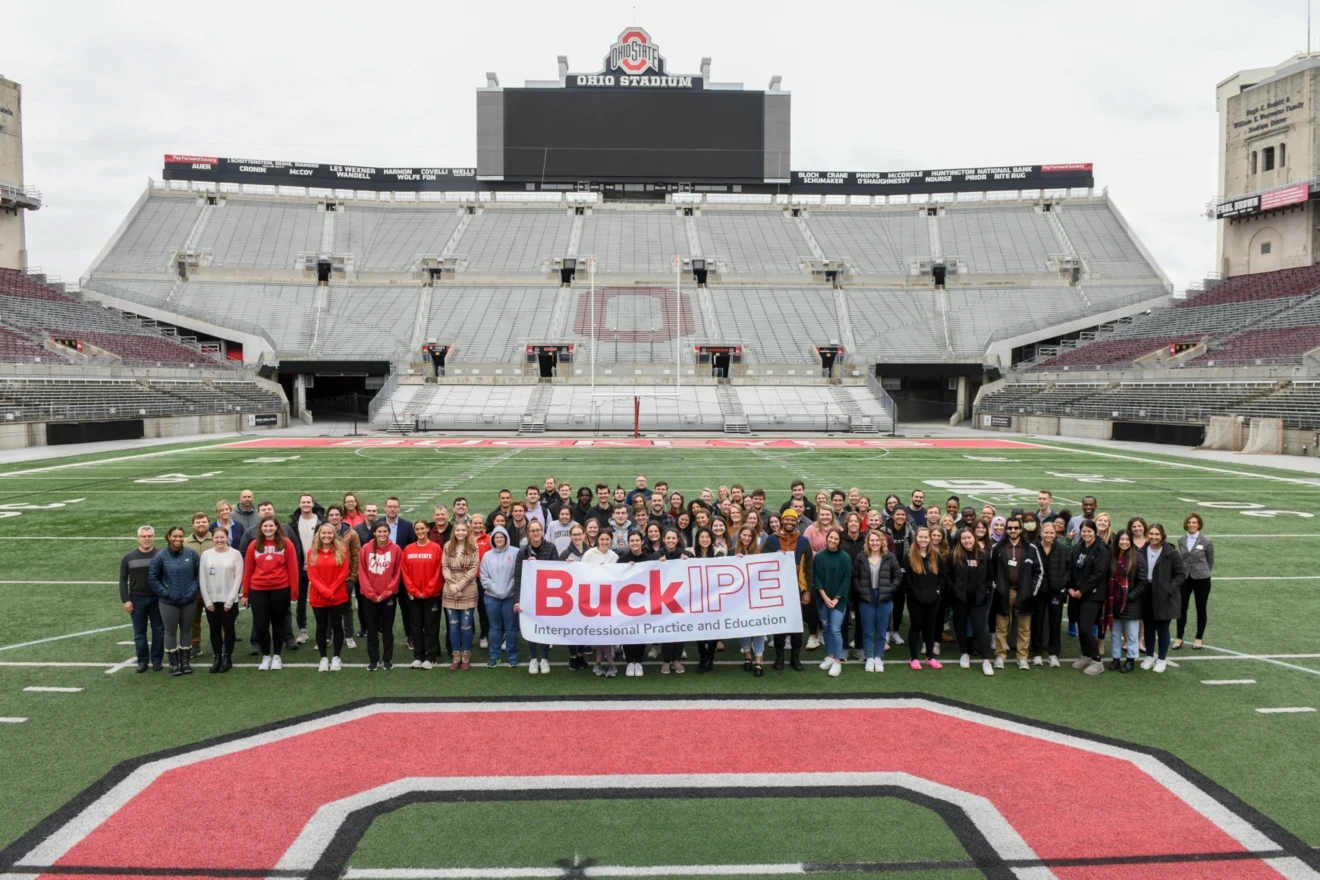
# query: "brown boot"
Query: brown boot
453,667
467,661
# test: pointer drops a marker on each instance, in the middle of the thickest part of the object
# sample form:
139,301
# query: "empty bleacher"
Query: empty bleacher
62,399
1168,401
284,311
631,241
459,407
1265,285
367,322
1035,398
488,323
999,241
17,348
153,235
805,407
1210,320
777,325
391,239
1112,352
261,234
872,242
765,242
1099,237
1298,405
1282,344
17,284
610,408
515,240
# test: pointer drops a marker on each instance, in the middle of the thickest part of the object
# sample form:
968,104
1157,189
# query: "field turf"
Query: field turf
65,523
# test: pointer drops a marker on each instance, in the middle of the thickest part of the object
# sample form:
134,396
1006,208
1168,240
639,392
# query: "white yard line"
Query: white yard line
1285,710
12,720
1312,481
1228,681
60,583
51,690
1292,577
1240,655
49,664
131,661
89,632
76,464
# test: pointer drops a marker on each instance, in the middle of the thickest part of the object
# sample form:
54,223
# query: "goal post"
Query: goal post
1266,437
1224,432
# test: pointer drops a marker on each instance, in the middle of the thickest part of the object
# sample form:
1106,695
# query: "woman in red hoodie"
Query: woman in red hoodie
270,583
422,580
327,591
378,585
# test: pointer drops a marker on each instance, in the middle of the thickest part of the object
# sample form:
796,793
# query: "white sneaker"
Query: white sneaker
936,648
416,664
1160,665
545,667
965,661
324,665
628,670
1054,662
484,643
827,663
276,663
896,638
427,664
835,668
870,665
612,671
653,652
813,643
999,663
640,671
302,637
1095,667
336,664
879,665
1148,663
1023,664
1036,661
987,668
1081,662
265,664
597,669
533,667
349,642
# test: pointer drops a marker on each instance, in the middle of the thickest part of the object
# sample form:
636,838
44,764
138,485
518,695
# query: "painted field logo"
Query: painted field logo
635,53
1024,799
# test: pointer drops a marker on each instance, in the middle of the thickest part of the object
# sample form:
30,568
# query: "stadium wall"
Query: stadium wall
1295,441
22,435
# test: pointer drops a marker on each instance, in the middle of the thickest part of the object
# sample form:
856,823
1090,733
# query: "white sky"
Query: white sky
109,88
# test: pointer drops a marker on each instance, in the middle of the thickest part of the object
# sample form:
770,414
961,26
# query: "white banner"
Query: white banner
569,603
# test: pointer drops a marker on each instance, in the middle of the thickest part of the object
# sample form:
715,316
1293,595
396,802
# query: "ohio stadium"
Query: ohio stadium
627,497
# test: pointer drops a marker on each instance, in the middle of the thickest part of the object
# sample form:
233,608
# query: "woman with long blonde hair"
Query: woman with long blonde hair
923,584
327,592
459,594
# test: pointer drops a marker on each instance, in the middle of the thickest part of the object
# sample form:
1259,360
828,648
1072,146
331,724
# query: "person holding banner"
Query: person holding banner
602,554
787,540
705,549
536,548
636,552
671,655
833,571
746,543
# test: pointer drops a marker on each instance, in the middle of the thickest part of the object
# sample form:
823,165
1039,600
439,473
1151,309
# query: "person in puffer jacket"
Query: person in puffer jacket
1047,621
536,548
173,577
877,577
497,567
970,592
378,584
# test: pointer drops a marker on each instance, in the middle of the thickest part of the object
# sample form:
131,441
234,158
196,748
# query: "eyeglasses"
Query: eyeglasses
1015,528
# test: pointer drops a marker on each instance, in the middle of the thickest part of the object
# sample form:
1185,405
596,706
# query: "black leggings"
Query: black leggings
1162,631
379,618
221,622
672,652
896,619
1047,628
1199,587
812,618
1089,616
923,623
330,618
424,624
634,653
977,614
270,609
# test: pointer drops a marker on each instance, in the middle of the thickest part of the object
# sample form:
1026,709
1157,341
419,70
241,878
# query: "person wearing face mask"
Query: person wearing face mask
1161,572
788,540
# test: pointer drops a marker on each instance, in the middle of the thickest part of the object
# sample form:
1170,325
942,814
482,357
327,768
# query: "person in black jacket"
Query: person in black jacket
899,532
1089,580
1047,620
671,653
535,548
876,578
636,552
923,584
1160,573
1015,562
970,591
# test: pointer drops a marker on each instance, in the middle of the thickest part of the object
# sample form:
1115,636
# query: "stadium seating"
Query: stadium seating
489,323
1112,352
372,322
632,241
1273,344
518,241
391,239
1298,405
1100,239
777,325
17,348
872,242
17,284
1266,285
764,242
1163,401
999,240
32,399
261,234
153,235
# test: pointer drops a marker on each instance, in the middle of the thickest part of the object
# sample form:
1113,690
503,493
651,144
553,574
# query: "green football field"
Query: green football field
74,708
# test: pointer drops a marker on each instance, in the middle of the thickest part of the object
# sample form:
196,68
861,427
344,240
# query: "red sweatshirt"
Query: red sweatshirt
421,570
270,568
378,571
327,580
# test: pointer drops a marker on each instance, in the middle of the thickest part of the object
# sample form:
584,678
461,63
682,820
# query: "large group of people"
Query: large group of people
985,583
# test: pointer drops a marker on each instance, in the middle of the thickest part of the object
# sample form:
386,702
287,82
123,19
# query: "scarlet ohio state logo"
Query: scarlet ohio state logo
1025,799
635,53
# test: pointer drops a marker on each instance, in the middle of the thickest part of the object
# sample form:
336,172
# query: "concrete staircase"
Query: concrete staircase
735,420
533,418
858,421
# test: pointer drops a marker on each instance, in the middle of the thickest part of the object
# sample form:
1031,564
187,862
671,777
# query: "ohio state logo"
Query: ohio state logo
1023,797
635,53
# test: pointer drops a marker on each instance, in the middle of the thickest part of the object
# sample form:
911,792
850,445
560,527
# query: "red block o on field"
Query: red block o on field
1026,796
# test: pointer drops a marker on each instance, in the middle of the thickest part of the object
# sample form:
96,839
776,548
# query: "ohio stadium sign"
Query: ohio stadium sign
634,61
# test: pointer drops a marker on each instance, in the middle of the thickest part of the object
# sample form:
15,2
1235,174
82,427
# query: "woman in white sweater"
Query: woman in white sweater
221,580
603,554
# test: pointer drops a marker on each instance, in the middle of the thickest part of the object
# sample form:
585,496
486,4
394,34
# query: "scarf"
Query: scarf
1116,597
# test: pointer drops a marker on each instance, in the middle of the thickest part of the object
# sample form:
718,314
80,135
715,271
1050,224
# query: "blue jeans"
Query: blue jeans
875,625
147,608
832,623
503,627
755,644
1131,629
460,628
538,651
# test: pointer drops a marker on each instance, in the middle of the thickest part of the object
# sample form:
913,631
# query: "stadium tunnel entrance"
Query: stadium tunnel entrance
544,359
720,358
927,392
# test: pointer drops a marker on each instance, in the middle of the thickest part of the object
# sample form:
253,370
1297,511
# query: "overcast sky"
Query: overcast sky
109,88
